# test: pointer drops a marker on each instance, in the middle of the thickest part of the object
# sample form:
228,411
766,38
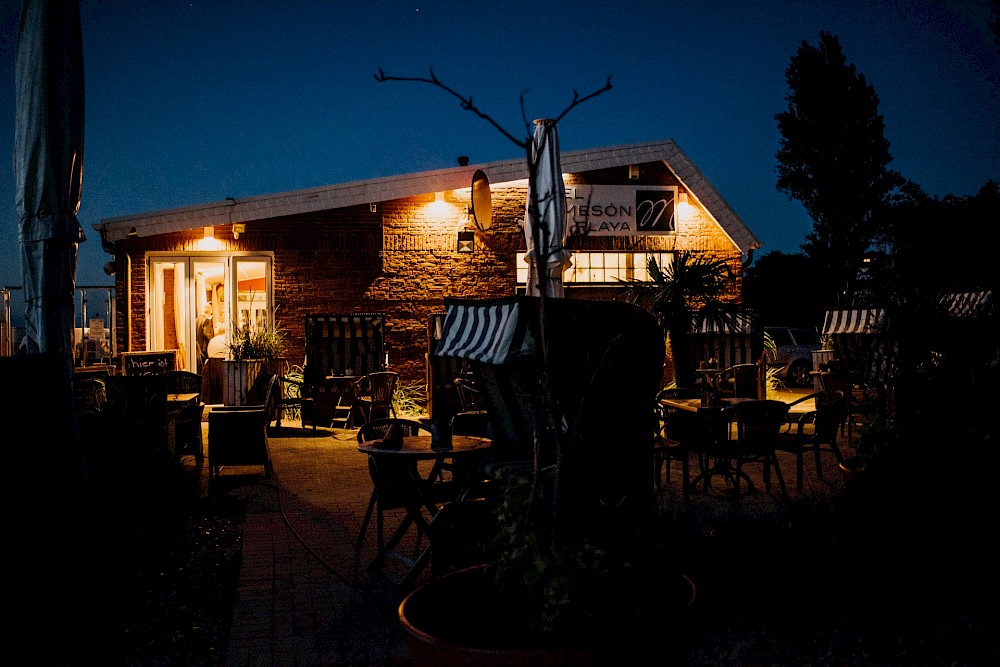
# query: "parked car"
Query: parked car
792,353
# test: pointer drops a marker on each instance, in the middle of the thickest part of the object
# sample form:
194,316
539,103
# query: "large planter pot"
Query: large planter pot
239,375
458,620
235,381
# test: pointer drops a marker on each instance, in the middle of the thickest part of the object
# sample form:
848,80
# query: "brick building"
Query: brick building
399,245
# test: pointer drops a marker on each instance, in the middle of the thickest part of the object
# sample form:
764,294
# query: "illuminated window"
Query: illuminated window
602,268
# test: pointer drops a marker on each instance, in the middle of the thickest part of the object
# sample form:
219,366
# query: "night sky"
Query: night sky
193,102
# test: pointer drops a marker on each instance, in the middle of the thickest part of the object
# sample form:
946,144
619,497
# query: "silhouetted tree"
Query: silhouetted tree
996,22
834,159
919,256
781,288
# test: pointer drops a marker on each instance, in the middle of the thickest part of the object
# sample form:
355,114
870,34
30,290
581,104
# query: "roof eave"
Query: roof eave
388,188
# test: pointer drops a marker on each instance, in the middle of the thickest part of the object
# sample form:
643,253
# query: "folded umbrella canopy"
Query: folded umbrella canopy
545,228
48,166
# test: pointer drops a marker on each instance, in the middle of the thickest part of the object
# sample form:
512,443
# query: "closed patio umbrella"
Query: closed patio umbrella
48,166
62,564
545,229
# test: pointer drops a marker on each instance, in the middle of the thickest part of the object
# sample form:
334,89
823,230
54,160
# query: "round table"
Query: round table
419,447
414,448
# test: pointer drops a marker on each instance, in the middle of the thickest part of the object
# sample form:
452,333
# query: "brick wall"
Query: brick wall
401,260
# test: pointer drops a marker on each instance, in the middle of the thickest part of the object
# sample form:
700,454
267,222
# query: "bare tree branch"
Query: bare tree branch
467,103
550,428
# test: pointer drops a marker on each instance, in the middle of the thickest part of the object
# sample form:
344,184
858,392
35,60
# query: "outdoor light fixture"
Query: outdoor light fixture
132,233
238,228
683,211
466,242
208,241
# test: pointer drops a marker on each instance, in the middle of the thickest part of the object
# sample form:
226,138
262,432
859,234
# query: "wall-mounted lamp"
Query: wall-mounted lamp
466,242
633,171
238,228
132,233
208,241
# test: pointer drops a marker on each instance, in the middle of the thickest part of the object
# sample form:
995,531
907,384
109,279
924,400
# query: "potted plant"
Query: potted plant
609,597
822,357
253,348
671,294
872,447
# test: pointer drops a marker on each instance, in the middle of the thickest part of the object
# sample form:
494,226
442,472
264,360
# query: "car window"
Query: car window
806,337
781,336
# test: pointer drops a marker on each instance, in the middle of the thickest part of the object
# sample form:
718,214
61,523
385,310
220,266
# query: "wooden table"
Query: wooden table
413,449
178,401
696,404
713,431
342,380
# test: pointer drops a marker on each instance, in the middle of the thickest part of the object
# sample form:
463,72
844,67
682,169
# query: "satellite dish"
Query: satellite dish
482,200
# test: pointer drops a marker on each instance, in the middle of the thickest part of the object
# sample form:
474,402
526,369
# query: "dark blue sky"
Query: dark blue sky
196,101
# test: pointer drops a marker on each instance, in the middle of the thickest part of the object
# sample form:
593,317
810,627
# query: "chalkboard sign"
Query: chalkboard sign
148,363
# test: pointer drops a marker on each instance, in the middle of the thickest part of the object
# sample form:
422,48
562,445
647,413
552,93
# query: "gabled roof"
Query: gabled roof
387,188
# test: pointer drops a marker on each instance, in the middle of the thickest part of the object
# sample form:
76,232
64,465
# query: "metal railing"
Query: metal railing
10,335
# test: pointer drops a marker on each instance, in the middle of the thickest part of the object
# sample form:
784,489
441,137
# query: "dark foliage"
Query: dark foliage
784,289
918,255
834,159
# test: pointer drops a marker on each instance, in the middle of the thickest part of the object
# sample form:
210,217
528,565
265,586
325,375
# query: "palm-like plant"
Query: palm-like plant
683,296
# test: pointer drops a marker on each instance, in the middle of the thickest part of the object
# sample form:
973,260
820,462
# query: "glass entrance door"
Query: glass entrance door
209,304
190,300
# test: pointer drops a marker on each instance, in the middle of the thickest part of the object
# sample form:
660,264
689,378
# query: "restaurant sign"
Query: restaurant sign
621,210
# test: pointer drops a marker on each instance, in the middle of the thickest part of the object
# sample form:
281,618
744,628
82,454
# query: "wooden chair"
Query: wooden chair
758,429
392,482
741,381
237,435
671,441
860,396
188,419
373,395
292,398
136,411
468,394
815,431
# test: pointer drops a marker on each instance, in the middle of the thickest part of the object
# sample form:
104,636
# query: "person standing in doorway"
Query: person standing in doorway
218,346
205,328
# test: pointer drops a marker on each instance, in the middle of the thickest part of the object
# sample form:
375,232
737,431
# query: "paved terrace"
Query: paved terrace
306,596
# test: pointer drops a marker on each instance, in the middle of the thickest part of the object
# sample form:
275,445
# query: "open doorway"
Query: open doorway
193,298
